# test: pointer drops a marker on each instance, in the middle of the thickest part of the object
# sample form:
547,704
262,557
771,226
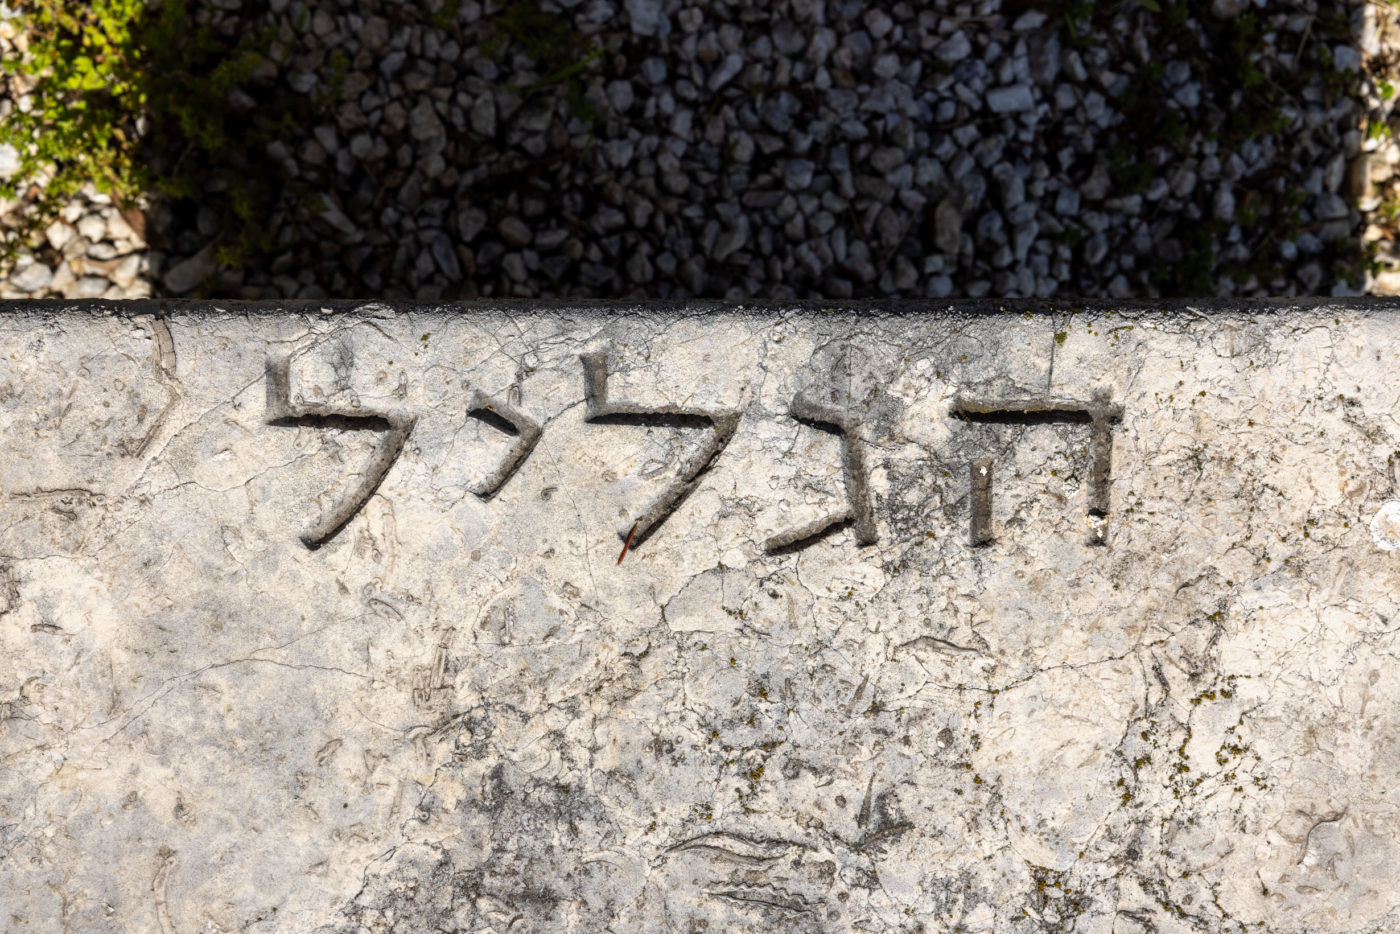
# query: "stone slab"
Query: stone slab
699,618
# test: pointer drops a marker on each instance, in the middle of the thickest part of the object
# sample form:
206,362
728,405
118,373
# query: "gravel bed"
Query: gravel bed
780,149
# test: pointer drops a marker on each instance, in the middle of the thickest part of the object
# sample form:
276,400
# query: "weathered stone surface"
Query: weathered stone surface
939,620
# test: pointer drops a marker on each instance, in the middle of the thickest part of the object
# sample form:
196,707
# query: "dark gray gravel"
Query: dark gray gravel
787,148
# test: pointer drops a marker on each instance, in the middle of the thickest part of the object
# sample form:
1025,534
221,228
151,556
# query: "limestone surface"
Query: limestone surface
699,618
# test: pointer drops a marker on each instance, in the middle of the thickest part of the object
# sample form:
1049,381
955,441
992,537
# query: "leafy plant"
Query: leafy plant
1130,174
549,40
1390,210
86,97
135,98
441,13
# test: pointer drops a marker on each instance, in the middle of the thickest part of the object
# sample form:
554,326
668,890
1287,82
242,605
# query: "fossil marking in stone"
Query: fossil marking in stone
752,868
9,589
158,884
163,356
429,681
1385,526
737,848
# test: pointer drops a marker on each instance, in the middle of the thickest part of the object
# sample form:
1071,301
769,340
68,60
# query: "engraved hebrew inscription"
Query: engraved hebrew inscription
858,511
603,410
981,482
513,421
1100,413
394,427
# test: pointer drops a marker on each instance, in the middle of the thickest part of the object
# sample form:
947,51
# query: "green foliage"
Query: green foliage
1194,273
1076,15
1371,260
340,67
1072,236
136,99
1174,130
1248,214
1130,174
560,52
548,39
1390,210
442,13
85,103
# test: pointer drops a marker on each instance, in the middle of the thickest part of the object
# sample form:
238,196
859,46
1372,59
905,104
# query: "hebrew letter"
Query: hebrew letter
601,409
395,427
1100,414
512,421
982,501
858,511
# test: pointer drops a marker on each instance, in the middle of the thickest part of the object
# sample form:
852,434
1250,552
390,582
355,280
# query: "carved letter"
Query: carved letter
396,429
1100,413
601,409
982,501
511,420
858,511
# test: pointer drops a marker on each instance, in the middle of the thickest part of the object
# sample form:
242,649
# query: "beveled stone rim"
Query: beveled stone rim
1262,307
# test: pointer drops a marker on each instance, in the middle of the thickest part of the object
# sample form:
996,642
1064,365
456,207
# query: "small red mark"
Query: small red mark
627,544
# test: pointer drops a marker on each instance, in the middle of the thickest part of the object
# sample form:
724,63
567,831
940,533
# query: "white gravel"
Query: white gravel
9,161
